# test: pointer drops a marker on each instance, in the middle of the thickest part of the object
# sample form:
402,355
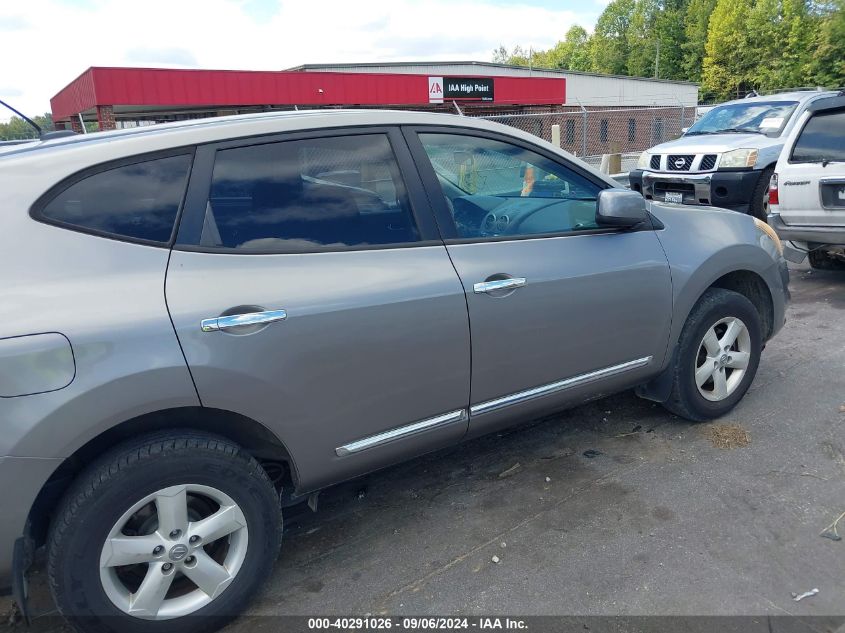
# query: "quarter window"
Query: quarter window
138,201
323,193
823,138
496,189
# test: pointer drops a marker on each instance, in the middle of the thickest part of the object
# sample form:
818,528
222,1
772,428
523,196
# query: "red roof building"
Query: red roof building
130,96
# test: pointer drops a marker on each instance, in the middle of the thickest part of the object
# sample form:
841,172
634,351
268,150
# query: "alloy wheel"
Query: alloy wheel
173,552
722,359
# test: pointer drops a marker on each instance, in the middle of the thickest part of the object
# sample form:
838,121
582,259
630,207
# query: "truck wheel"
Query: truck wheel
820,261
174,531
759,207
717,356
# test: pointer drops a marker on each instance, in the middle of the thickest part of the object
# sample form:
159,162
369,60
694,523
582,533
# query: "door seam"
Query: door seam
175,333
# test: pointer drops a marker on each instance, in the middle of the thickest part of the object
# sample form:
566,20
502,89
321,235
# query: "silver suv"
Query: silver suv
807,192
206,321
727,157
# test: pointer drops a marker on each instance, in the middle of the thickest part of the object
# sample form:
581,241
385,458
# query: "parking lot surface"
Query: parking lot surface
615,507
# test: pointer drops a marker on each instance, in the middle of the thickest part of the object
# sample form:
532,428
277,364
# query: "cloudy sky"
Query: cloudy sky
44,44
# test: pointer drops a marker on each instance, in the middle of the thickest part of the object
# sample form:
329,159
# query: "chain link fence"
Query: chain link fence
591,133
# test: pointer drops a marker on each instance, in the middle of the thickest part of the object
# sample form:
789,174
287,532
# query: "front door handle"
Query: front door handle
236,320
499,284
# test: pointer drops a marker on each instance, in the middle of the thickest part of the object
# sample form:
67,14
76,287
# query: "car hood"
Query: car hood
714,144
708,229
719,225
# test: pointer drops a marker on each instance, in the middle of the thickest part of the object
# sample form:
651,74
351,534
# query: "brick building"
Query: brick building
124,97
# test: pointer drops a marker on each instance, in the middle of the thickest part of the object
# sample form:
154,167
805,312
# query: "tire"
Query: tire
759,206
716,310
214,475
819,260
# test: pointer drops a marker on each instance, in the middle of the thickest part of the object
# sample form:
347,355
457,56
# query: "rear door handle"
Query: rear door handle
499,284
236,320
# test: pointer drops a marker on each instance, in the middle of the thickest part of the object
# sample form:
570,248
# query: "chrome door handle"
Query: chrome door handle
499,284
237,320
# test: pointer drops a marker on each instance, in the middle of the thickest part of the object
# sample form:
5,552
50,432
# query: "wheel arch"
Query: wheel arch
749,284
754,288
252,436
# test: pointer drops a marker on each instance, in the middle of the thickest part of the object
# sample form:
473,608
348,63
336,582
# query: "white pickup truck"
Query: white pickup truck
807,190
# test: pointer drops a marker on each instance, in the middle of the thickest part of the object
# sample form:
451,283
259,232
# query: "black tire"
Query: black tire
124,476
759,206
819,260
715,304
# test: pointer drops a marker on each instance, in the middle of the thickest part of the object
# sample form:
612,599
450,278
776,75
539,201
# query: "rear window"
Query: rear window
138,201
822,139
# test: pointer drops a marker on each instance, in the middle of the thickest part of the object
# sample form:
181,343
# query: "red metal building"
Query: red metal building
114,95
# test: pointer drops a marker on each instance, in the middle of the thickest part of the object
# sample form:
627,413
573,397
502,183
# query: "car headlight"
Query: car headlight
739,158
770,232
644,161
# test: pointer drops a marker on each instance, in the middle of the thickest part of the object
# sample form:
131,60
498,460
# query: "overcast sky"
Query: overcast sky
45,44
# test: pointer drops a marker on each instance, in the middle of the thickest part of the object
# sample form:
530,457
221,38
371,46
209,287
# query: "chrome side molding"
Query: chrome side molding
460,415
544,390
237,320
401,432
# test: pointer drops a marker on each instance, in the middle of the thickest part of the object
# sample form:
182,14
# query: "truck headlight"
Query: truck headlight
770,232
645,161
739,158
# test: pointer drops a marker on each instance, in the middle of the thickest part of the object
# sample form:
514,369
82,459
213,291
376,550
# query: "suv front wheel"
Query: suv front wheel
174,531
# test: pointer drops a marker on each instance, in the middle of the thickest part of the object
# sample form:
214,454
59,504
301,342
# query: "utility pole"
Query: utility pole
657,61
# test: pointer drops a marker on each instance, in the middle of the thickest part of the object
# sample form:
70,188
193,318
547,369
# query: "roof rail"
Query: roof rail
46,136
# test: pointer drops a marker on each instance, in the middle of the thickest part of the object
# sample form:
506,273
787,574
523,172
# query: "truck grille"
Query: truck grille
655,161
679,162
708,162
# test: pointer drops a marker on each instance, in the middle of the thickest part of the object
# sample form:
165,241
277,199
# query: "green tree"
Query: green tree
16,128
780,37
670,33
827,67
696,23
610,40
500,54
575,49
642,39
728,61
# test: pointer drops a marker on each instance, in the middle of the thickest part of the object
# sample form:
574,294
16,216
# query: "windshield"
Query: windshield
757,117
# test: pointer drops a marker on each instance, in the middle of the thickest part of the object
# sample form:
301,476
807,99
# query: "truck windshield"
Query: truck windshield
767,118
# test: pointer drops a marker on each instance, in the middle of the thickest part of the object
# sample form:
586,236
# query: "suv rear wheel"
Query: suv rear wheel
717,356
820,260
173,531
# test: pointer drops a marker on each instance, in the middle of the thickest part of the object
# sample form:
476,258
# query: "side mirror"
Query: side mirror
620,208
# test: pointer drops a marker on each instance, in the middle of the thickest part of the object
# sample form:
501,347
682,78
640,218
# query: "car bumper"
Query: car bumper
21,479
812,234
726,189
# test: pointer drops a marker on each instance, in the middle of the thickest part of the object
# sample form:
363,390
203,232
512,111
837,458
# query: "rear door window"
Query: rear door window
324,193
822,139
138,201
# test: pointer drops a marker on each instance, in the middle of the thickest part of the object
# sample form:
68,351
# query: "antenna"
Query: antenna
24,117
